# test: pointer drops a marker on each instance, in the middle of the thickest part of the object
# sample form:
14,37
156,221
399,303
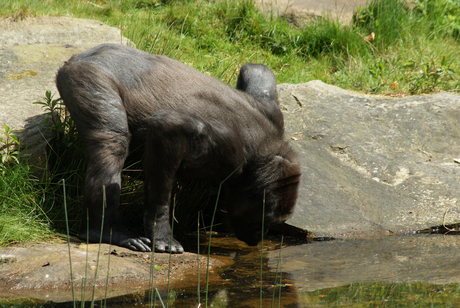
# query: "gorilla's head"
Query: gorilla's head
268,199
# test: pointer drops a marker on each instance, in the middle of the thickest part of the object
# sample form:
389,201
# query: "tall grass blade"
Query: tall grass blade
68,243
198,258
159,297
100,245
108,271
210,231
85,279
170,253
278,265
152,268
262,251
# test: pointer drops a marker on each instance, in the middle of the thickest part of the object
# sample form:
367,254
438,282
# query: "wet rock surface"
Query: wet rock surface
41,272
371,165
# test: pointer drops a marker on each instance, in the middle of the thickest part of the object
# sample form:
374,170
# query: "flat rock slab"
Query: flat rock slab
300,12
32,50
371,165
41,272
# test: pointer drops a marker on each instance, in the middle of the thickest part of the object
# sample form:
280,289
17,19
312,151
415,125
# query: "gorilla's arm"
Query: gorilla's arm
179,145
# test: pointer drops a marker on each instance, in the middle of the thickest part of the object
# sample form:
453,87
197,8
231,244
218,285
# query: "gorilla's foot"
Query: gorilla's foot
119,237
168,245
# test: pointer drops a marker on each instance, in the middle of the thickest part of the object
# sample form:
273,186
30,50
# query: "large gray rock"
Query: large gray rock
301,12
31,51
373,165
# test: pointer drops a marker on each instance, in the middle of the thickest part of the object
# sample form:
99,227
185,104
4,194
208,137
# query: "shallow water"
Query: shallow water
394,271
421,270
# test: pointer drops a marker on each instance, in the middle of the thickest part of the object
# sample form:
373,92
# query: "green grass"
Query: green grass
415,48
378,294
22,216
415,51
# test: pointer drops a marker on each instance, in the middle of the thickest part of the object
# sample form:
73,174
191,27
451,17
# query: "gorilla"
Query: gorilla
188,126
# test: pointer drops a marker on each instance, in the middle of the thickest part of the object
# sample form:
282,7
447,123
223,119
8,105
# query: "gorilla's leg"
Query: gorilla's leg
105,158
105,135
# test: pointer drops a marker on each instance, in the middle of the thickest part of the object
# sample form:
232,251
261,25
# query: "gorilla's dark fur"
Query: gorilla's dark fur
193,127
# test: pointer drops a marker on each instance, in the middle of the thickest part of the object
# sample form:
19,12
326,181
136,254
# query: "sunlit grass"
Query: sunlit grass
21,217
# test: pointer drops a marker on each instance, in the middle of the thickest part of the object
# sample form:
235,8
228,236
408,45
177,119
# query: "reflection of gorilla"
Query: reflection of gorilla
193,127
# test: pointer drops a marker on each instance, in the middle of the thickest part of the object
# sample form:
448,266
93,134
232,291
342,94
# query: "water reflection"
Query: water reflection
426,258
395,270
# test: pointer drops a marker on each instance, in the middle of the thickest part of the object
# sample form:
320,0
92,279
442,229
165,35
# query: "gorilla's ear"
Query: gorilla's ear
286,187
